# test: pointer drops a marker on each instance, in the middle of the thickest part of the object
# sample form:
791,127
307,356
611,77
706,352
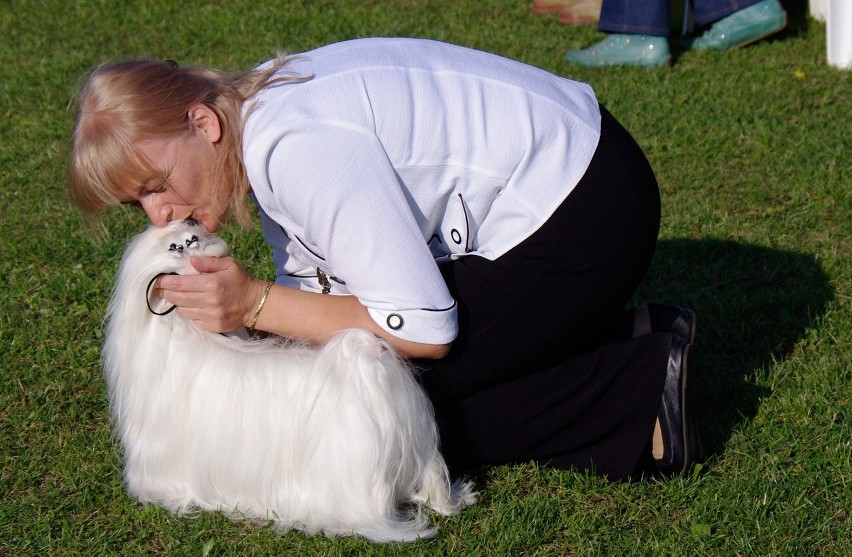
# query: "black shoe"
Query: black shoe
681,442
664,318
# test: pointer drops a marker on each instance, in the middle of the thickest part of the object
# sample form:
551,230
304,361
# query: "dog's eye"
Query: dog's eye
192,240
176,247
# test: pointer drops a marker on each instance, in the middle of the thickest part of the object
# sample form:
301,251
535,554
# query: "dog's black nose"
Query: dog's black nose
191,222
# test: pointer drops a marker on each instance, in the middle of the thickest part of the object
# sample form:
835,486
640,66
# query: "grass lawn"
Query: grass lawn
753,151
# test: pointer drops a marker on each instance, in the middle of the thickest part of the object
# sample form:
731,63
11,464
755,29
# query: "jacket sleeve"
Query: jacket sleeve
348,209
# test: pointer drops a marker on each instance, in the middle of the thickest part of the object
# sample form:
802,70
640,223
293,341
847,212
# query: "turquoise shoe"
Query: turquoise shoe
743,27
624,50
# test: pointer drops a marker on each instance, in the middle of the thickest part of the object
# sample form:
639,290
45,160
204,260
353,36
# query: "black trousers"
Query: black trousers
545,367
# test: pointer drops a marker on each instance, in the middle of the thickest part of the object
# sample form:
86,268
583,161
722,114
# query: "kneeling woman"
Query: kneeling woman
488,219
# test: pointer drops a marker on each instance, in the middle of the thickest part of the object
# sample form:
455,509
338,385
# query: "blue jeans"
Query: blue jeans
651,17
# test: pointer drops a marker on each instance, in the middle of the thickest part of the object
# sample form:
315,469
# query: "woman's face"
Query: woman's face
181,186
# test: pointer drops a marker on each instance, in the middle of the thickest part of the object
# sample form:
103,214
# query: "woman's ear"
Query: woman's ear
206,121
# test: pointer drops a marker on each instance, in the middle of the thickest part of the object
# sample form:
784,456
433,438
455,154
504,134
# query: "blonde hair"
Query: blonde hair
121,104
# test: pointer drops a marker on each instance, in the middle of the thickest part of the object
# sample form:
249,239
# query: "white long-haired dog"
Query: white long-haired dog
339,439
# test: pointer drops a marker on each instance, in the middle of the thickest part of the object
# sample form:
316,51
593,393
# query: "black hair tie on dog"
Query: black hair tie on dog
148,296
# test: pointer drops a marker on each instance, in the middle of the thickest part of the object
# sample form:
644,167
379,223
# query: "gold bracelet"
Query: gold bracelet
254,317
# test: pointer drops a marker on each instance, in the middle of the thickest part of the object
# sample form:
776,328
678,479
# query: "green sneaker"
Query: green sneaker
624,50
743,27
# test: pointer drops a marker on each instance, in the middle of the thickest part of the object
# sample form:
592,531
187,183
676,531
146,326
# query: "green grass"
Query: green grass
753,150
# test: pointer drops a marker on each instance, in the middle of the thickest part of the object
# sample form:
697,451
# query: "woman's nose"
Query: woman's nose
158,212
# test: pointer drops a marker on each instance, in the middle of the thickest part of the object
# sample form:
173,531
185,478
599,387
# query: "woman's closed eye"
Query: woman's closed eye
157,186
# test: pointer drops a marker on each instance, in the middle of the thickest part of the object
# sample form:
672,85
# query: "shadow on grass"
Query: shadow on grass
798,12
753,304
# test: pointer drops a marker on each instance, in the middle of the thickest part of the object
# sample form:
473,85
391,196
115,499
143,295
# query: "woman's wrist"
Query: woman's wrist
257,308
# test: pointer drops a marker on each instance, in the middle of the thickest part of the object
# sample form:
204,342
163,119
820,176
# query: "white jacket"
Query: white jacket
401,153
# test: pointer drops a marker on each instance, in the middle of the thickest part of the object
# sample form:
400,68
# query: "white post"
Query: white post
839,33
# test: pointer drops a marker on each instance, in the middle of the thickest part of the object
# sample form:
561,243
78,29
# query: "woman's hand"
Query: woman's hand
221,299
224,297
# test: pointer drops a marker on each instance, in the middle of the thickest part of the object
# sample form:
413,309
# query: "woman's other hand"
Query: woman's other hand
222,298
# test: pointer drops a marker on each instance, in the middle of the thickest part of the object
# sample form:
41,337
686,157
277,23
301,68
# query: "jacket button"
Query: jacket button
395,321
456,236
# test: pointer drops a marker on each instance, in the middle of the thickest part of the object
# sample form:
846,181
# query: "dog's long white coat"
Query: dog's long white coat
339,440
